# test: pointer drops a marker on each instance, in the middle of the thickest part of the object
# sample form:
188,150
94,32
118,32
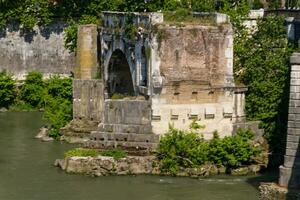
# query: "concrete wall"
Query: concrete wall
41,50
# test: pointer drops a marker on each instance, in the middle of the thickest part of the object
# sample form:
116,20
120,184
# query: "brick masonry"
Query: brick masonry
290,171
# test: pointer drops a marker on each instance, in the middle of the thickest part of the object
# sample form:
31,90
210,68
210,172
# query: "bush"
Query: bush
178,149
7,90
232,151
33,90
58,104
181,149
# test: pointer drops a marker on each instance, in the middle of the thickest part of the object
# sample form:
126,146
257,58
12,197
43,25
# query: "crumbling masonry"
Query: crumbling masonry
170,74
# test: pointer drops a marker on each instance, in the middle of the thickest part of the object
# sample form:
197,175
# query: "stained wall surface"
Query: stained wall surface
41,50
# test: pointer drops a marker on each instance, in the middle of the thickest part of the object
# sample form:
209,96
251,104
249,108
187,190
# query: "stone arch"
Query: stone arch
119,76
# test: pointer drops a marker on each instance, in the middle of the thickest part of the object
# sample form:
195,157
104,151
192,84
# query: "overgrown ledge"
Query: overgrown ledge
138,165
179,153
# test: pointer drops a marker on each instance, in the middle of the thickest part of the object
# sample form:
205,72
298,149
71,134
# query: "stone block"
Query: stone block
292,145
295,68
294,103
292,152
294,110
295,82
295,75
295,96
293,131
294,124
295,59
292,161
295,89
289,177
293,138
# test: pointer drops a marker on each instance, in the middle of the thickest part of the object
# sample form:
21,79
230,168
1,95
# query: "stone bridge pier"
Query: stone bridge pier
136,74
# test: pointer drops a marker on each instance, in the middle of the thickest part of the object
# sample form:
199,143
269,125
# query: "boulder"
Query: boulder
241,171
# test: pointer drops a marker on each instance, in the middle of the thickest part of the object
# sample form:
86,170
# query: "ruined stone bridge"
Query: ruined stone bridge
165,72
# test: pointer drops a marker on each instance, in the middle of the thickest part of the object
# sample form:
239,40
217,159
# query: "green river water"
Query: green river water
27,173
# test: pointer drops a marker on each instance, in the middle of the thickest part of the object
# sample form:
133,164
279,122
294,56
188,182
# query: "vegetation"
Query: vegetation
262,64
260,61
32,91
179,149
53,95
80,152
117,154
7,90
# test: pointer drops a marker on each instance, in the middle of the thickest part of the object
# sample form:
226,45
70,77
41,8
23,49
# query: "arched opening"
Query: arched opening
119,75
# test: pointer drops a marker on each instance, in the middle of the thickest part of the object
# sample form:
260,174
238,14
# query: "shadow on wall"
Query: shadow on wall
45,31
294,175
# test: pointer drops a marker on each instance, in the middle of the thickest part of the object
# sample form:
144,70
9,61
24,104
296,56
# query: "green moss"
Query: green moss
117,96
80,152
117,154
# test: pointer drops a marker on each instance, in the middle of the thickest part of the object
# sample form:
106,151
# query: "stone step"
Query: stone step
119,144
125,128
124,137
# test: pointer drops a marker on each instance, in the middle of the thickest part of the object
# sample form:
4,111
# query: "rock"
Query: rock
103,166
43,133
271,191
254,168
47,139
3,110
242,171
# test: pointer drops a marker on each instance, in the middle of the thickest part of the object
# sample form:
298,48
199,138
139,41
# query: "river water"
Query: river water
27,173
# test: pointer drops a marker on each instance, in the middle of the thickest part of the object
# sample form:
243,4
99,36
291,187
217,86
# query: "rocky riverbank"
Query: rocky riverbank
135,165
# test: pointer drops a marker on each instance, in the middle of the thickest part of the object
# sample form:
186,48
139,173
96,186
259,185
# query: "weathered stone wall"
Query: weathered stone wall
87,53
88,100
41,50
290,171
196,70
135,112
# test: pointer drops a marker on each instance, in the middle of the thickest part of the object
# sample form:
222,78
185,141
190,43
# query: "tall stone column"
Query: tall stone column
86,54
290,171
88,88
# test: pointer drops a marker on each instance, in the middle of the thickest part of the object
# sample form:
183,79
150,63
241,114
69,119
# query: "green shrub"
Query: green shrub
59,87
7,90
114,153
232,151
181,149
82,153
58,112
58,104
178,149
33,90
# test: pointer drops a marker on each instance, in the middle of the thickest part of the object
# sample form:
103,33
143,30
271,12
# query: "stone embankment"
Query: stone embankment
135,165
